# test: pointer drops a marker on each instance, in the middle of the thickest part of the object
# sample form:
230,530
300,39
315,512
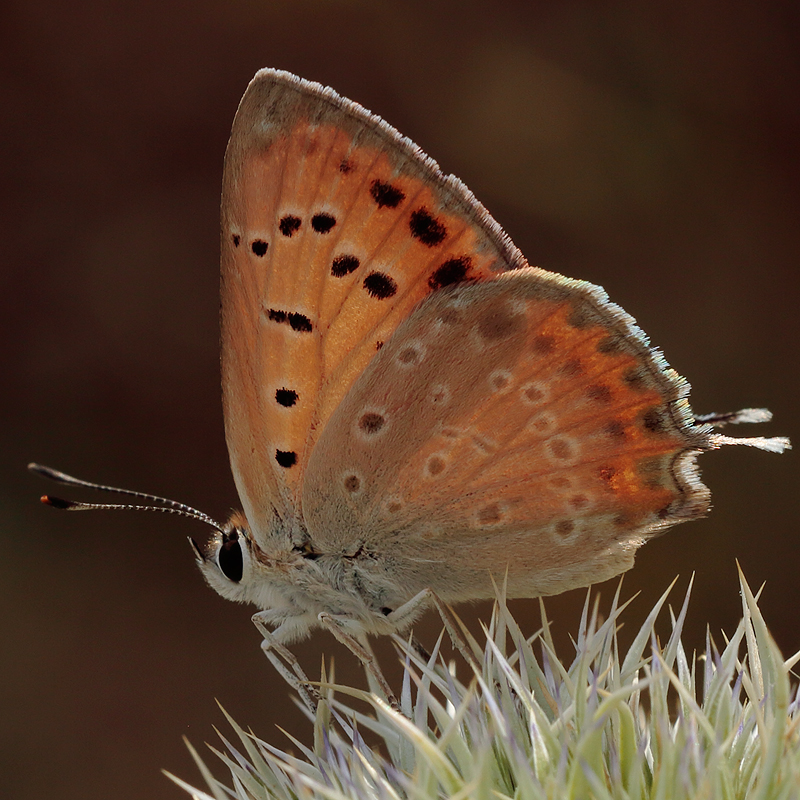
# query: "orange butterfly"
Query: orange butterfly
410,409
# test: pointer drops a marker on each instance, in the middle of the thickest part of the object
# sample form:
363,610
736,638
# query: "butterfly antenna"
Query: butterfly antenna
167,507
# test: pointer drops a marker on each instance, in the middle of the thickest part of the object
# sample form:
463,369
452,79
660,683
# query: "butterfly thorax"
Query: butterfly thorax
293,581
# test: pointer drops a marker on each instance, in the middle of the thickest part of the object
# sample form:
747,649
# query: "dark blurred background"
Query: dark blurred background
648,147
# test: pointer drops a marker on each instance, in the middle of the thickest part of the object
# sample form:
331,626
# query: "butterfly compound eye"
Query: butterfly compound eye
229,557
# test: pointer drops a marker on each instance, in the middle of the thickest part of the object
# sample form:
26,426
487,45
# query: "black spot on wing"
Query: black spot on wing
286,397
297,322
289,225
380,286
386,195
344,265
426,228
259,247
322,223
300,322
286,458
454,270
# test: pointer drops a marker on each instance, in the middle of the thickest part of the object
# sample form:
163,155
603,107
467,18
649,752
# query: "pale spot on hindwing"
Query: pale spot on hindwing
542,423
411,355
371,424
500,380
567,531
393,506
490,514
533,393
448,432
484,444
352,483
562,449
440,394
435,466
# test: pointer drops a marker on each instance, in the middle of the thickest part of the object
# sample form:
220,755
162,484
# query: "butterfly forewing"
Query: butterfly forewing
334,227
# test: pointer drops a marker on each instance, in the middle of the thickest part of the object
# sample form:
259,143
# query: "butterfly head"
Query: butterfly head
226,560
235,567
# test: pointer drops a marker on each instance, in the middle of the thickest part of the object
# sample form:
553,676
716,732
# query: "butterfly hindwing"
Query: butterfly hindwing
524,415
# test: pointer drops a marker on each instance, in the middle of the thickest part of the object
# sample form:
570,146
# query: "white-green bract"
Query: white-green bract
654,722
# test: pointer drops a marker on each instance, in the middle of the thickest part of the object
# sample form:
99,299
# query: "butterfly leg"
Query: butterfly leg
360,648
403,615
296,677
375,678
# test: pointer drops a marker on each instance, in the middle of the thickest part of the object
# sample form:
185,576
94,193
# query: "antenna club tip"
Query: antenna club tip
56,502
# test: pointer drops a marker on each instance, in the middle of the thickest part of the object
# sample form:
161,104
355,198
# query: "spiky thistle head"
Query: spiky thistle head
651,722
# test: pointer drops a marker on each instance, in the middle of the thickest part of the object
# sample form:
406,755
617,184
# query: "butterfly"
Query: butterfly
411,410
